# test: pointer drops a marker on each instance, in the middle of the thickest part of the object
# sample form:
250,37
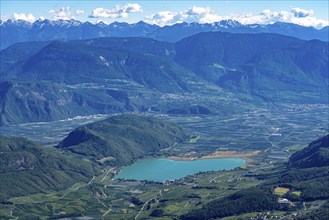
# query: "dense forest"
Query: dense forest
27,167
121,139
244,201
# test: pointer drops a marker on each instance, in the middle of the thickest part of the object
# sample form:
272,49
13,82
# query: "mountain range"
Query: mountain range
264,65
12,31
213,71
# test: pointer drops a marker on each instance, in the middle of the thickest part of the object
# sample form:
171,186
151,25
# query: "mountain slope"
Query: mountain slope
273,67
133,44
245,201
259,64
45,101
316,154
123,138
228,49
307,171
26,168
83,62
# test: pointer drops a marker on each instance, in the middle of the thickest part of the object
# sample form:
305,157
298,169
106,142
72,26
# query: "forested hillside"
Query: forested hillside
121,139
27,167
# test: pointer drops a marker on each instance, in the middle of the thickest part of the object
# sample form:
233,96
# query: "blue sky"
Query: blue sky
308,13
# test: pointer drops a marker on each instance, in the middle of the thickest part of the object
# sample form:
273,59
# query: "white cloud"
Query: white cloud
194,14
162,18
295,15
206,15
25,17
199,10
202,15
132,7
117,12
79,12
65,13
301,13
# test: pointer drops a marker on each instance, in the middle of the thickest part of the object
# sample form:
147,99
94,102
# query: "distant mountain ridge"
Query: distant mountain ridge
261,64
12,31
111,75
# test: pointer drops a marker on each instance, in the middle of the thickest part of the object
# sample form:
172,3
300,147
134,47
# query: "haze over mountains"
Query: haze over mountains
214,71
45,30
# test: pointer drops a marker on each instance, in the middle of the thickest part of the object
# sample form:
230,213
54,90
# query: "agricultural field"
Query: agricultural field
275,134
105,197
281,191
278,129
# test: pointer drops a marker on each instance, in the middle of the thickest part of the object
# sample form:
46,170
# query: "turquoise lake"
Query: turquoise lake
161,169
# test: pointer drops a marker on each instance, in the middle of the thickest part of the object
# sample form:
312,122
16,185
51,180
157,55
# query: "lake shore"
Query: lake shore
215,155
163,169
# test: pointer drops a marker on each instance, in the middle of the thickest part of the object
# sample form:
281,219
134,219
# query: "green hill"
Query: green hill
26,168
245,201
307,171
123,138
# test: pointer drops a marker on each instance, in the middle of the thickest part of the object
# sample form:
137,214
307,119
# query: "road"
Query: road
106,213
155,198
107,173
78,187
267,138
91,181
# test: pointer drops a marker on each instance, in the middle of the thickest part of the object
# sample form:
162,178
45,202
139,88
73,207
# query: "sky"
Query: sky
305,12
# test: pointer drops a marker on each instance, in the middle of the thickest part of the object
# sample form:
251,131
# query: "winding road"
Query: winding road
155,198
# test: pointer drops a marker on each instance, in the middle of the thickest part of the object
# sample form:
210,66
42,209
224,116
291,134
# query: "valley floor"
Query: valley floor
266,138
105,197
